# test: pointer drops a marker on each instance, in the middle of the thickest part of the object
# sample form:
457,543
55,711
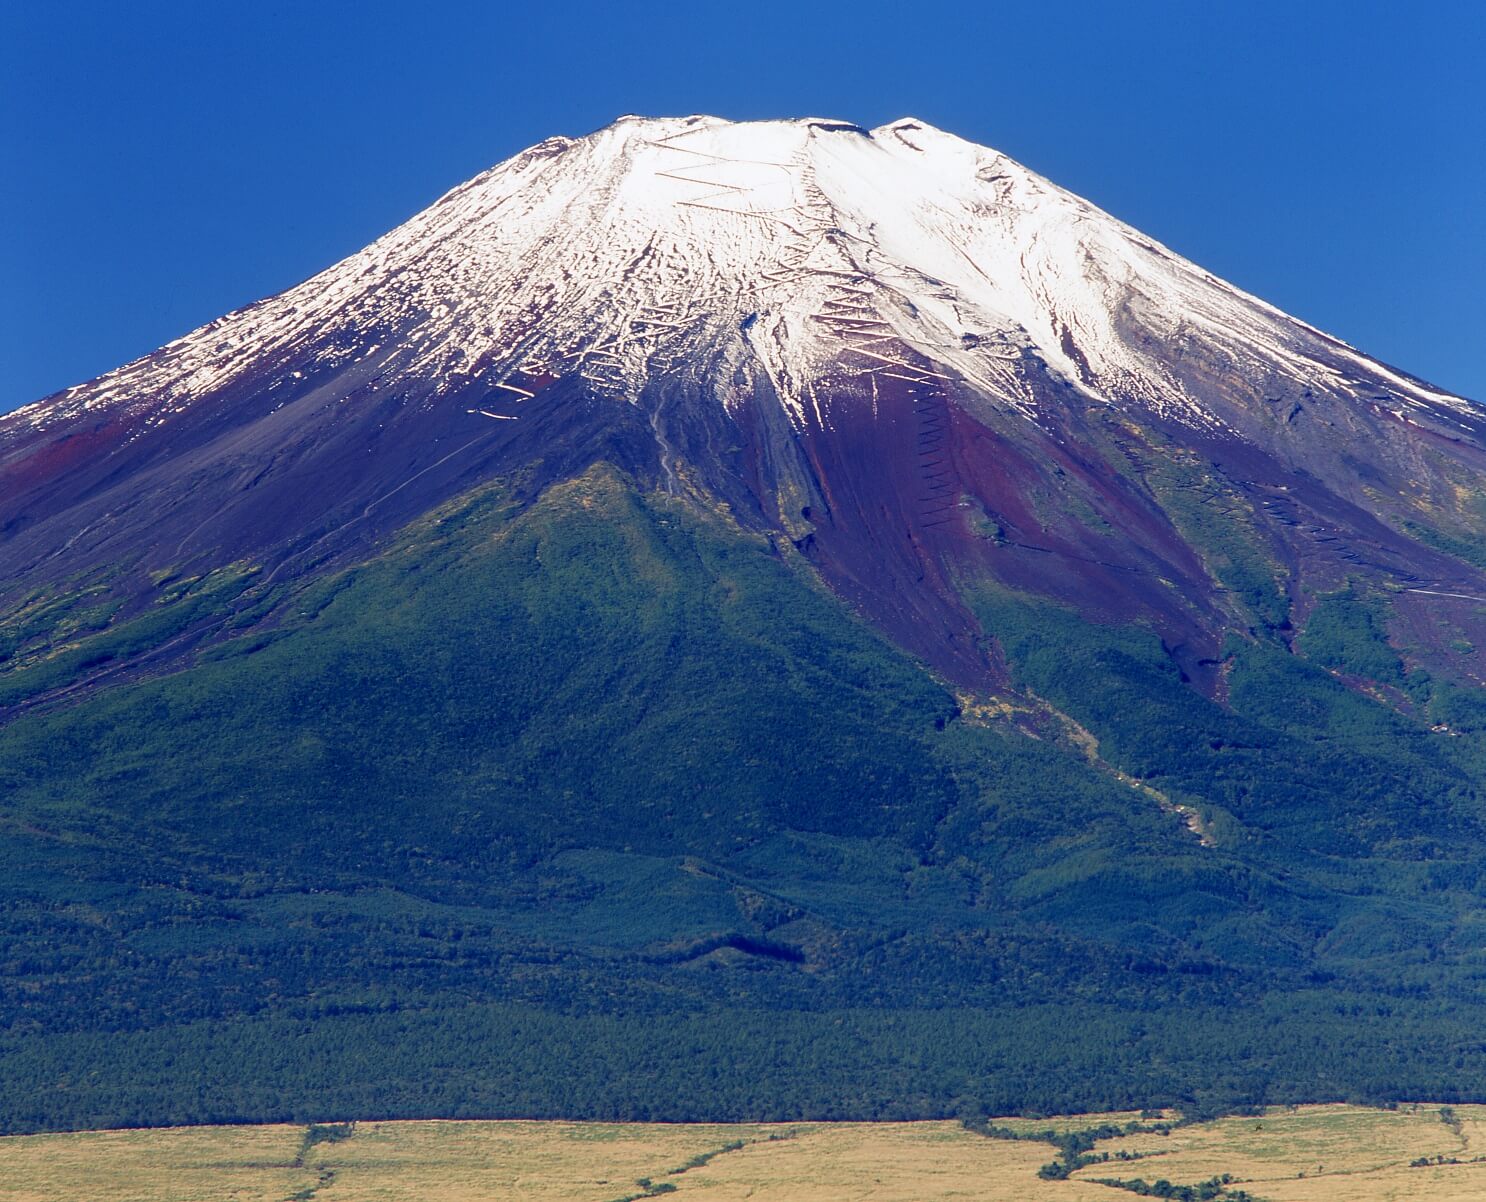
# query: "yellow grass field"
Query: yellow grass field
1307,1154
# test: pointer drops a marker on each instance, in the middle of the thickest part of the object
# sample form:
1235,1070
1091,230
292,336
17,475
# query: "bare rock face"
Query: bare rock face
923,364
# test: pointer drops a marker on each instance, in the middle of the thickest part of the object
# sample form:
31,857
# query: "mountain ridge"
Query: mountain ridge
651,157
786,577
754,301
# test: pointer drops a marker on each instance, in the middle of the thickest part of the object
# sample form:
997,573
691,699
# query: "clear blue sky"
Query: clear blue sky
162,162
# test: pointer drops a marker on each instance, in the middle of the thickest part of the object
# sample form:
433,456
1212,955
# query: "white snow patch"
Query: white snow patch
616,255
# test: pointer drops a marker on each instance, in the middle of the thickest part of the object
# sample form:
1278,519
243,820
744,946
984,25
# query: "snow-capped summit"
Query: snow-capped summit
907,353
651,240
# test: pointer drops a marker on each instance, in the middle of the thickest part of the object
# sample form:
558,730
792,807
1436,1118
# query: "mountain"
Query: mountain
712,594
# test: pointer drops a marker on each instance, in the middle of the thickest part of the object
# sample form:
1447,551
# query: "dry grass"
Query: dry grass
1061,1123
243,1164
1316,1153
534,1162
385,1162
1346,1154
883,1162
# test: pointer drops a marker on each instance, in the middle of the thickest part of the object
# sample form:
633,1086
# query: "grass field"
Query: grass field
1321,1154
1310,1154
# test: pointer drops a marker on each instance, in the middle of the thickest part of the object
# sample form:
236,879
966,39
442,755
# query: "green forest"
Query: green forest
605,808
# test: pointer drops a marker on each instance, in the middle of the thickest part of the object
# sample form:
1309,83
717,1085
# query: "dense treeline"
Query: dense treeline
498,1061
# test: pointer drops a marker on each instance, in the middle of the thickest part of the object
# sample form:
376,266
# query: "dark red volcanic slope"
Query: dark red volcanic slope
924,365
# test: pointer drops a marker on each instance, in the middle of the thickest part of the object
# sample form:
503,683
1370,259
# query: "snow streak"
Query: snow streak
627,254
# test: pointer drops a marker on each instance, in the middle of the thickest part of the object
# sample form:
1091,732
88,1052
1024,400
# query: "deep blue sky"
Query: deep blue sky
162,162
